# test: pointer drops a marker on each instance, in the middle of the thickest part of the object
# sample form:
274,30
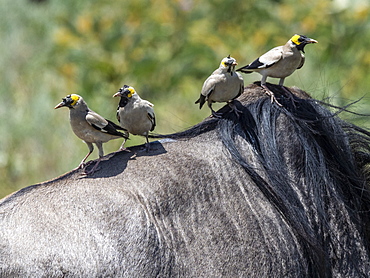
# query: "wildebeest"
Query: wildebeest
271,192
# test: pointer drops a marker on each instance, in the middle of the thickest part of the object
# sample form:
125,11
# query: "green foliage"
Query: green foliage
165,49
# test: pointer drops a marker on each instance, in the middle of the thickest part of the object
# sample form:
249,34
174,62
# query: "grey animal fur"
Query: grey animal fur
185,209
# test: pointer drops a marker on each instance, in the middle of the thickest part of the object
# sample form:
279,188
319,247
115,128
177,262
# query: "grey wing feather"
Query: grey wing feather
208,86
271,57
103,125
241,90
95,119
151,117
113,128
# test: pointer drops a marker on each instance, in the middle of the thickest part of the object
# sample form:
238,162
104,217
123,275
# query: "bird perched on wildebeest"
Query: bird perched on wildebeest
90,126
134,114
223,85
280,62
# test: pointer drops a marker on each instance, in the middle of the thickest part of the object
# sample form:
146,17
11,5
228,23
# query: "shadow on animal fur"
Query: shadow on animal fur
273,192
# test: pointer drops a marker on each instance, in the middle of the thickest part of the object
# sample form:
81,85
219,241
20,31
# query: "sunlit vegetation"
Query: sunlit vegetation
165,49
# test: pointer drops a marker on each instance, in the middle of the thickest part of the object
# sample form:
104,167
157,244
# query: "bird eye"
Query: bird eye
302,38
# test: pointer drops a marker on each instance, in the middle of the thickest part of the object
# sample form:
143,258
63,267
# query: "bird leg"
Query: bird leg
82,164
122,148
94,169
147,144
289,94
234,108
281,82
101,154
271,94
214,113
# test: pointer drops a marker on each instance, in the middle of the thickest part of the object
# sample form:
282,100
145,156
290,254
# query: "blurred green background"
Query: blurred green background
165,49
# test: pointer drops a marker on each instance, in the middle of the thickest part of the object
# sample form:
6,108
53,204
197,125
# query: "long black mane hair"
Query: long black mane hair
312,166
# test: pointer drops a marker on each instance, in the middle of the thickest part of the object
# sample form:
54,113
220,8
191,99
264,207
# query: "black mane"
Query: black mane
311,164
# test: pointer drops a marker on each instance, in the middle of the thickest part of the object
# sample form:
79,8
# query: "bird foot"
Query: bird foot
147,147
271,94
93,170
216,115
81,166
235,109
289,95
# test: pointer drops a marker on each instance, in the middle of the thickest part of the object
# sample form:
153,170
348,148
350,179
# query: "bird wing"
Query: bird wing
151,117
266,60
103,125
302,61
241,90
95,119
209,85
207,89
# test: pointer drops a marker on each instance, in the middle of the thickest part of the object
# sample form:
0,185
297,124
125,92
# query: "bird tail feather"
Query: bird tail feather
201,101
243,70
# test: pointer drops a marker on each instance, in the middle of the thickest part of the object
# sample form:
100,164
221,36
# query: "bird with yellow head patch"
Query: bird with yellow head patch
280,62
90,126
136,115
223,85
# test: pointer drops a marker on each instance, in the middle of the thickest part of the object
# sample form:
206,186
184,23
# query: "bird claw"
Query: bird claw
272,96
93,170
235,109
81,165
216,115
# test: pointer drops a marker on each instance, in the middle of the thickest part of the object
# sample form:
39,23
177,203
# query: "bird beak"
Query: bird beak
60,105
311,41
118,94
